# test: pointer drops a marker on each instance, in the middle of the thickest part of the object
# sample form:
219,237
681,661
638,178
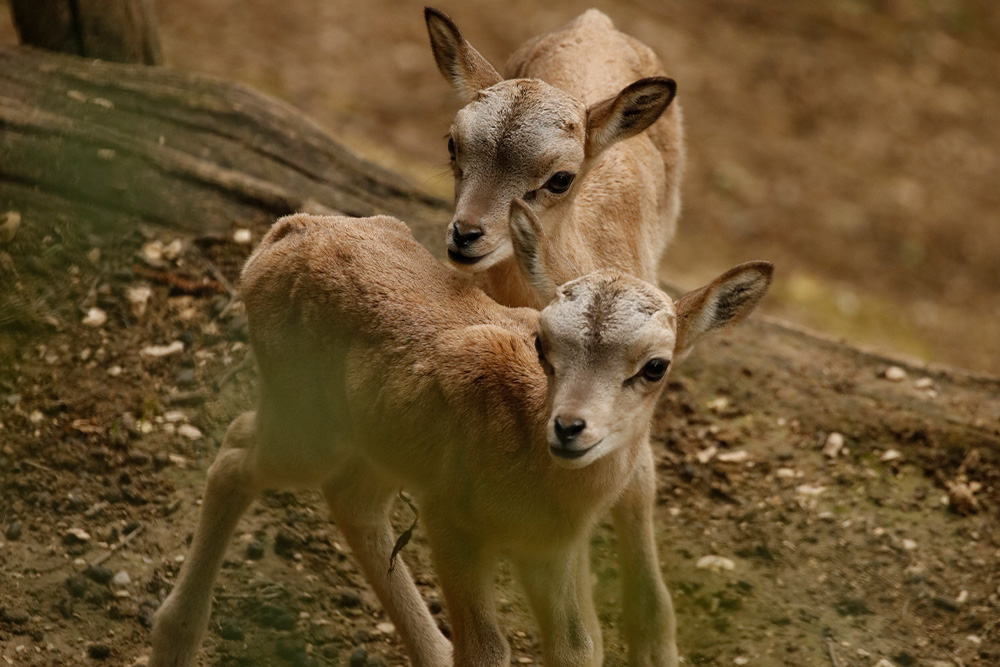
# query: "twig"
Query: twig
39,466
183,283
833,656
404,538
115,548
228,375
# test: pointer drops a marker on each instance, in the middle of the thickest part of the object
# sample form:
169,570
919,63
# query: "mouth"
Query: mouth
459,258
571,454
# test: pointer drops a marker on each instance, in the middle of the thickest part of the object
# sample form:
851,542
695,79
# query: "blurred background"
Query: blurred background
855,143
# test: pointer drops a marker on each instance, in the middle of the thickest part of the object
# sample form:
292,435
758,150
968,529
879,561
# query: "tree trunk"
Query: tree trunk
122,31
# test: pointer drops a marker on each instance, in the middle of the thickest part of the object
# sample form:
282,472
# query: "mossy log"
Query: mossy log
106,146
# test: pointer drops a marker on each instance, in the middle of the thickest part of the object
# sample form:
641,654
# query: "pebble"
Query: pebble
909,545
707,454
98,573
76,536
737,456
350,599
741,660
9,226
138,298
14,531
386,628
115,371
891,455
99,651
36,417
359,658
229,628
152,252
190,432
157,351
95,317
255,550
172,250
715,563
242,236
812,490
121,578
834,443
186,377
924,383
895,374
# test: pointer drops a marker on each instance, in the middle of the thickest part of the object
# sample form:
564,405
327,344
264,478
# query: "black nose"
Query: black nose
462,240
567,432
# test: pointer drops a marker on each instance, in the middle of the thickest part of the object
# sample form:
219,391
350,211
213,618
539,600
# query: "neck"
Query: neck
505,282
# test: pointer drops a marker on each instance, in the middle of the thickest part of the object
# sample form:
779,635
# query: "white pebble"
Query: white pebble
115,371
242,236
36,417
156,351
909,544
834,443
121,578
386,628
891,455
172,416
707,454
95,318
138,298
895,374
809,489
190,432
173,250
741,660
924,383
152,252
715,563
737,456
78,534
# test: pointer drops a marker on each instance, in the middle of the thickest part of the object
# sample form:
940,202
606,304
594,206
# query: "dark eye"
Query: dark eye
655,369
451,148
560,182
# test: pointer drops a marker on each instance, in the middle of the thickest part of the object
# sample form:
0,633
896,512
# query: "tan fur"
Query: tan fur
381,369
621,211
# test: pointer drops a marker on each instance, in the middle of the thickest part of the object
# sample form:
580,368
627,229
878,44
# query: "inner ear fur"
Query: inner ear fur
530,250
628,113
724,302
466,69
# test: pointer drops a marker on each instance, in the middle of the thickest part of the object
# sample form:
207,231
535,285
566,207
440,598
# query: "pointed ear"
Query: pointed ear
722,303
461,64
628,113
530,249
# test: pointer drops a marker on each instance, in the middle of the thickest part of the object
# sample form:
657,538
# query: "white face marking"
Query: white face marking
598,335
508,143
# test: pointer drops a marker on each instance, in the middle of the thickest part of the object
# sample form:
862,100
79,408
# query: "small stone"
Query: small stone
157,351
152,253
173,250
99,651
242,236
741,660
707,454
36,417
718,404
76,536
715,563
115,371
98,573
908,544
924,383
138,299
121,579
359,658
891,455
190,432
14,531
9,226
76,585
895,374
95,318
255,550
811,490
186,377
349,599
737,456
834,443
386,628
174,416
229,628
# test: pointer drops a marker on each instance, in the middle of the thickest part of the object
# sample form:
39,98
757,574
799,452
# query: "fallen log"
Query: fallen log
102,147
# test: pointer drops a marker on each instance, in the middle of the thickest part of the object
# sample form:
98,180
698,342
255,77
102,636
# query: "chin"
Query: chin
481,263
579,460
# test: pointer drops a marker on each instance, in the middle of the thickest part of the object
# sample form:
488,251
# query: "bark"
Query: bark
118,30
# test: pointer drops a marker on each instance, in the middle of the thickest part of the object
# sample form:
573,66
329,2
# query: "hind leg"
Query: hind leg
183,618
360,503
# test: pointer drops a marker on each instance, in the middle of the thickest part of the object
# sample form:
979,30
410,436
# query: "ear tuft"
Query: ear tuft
628,113
461,64
724,302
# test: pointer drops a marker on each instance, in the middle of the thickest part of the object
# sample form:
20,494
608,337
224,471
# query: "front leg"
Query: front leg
465,571
558,589
649,624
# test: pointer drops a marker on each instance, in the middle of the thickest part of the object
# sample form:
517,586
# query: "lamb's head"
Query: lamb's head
523,138
607,342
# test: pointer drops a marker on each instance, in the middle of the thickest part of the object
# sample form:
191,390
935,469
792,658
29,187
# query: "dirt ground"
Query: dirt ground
852,143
